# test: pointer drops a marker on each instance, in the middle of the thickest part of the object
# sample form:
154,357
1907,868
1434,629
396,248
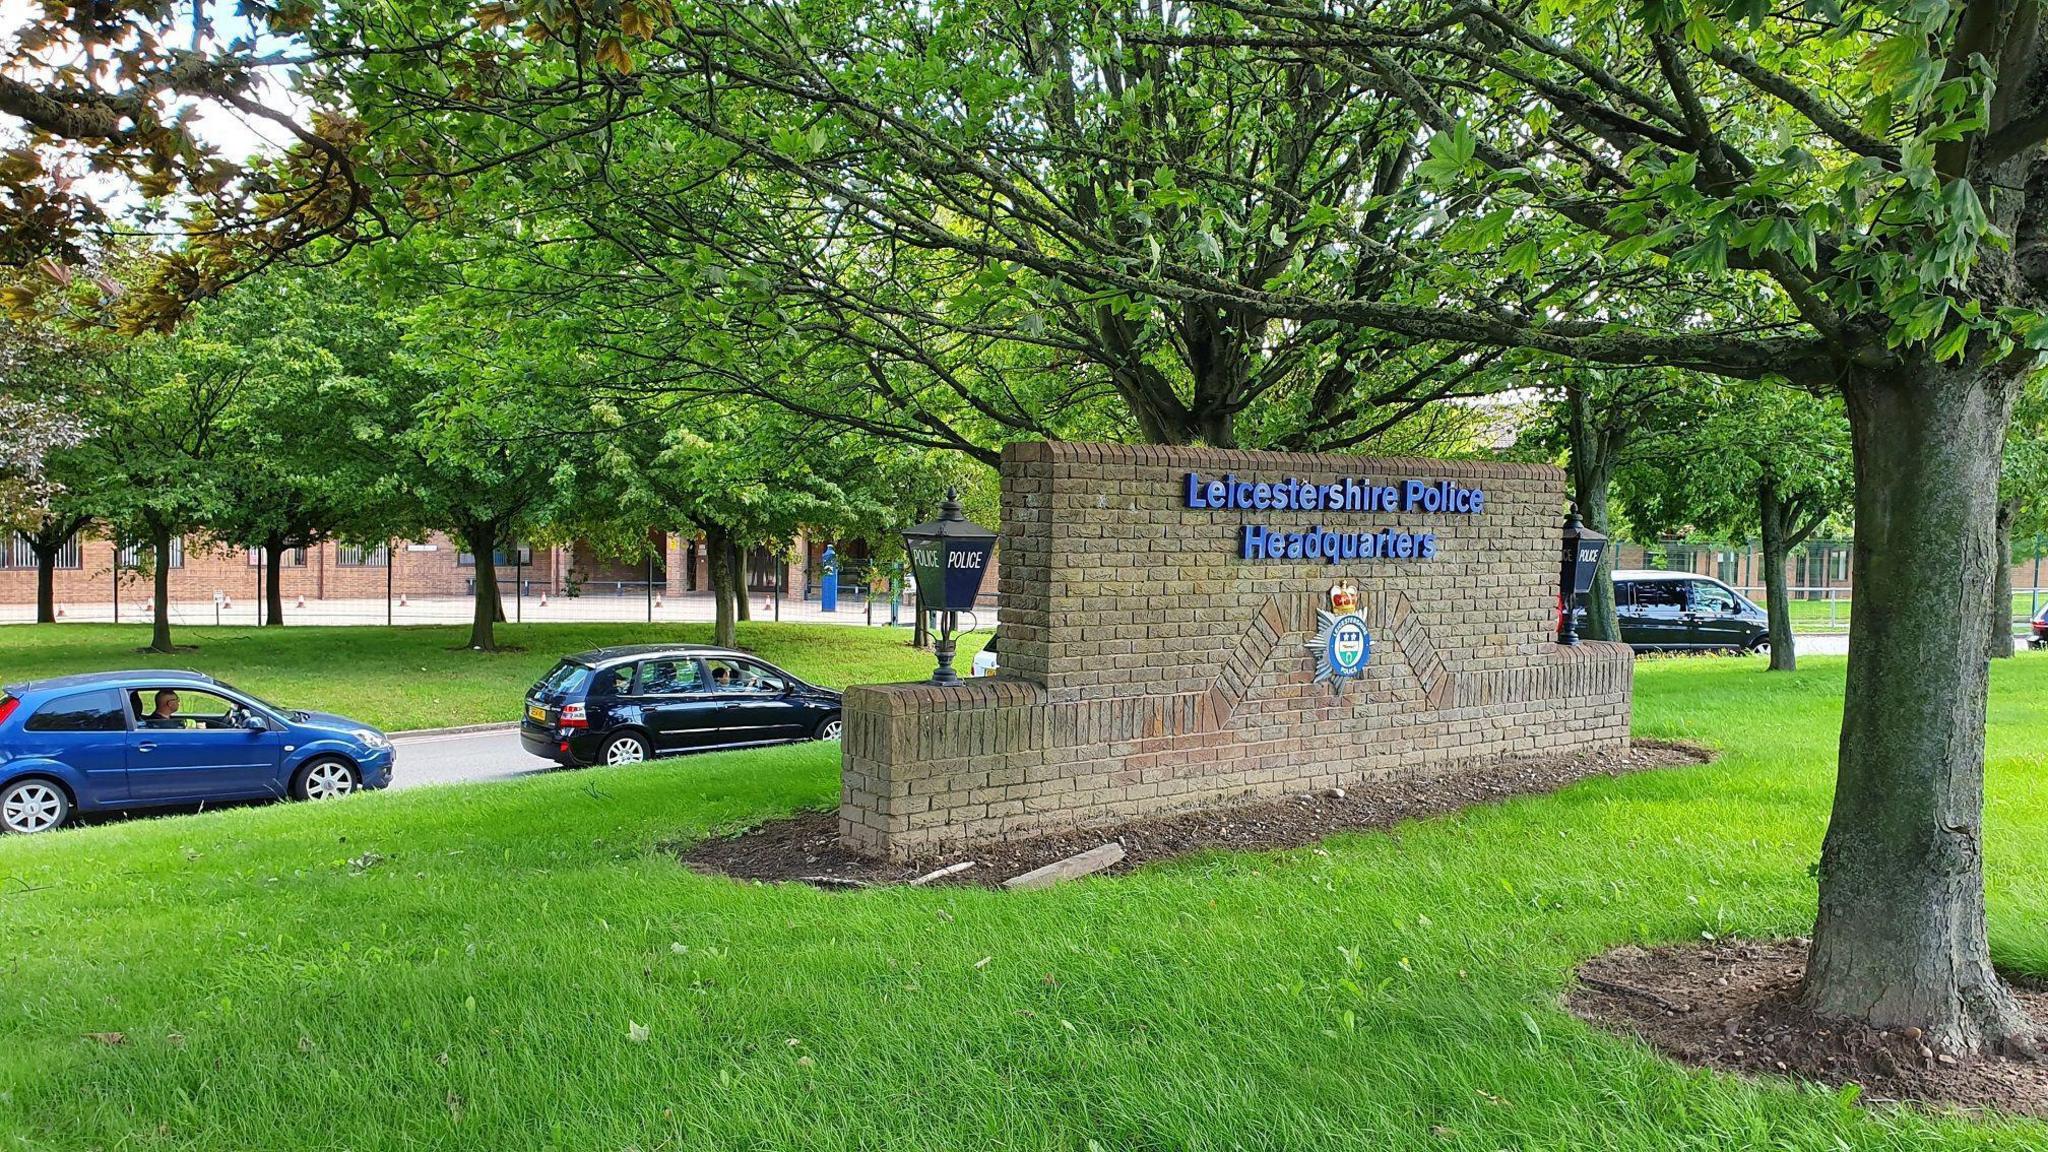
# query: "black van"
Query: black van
1678,611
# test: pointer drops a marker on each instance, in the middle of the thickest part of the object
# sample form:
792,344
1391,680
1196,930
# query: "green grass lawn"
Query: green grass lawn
475,986
423,677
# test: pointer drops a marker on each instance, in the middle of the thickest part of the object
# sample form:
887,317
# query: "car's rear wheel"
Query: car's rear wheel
625,748
831,728
1761,646
328,779
33,805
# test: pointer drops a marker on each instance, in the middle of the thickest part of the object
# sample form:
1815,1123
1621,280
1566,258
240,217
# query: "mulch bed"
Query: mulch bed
1729,1005
805,847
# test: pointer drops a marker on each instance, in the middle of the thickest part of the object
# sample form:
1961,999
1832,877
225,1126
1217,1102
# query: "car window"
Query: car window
184,708
564,677
730,675
1712,598
85,712
667,677
1660,595
617,681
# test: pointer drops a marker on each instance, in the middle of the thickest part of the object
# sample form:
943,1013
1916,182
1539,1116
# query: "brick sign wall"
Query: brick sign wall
1149,665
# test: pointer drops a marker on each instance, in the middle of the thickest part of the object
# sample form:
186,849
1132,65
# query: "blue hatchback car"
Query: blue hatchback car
109,741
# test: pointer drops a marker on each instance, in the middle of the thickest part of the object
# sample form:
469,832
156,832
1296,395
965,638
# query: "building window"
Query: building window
19,554
502,557
1838,564
1724,567
353,556
292,558
140,556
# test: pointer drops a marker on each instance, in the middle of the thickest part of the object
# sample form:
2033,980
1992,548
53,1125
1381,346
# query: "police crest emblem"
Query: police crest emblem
1342,644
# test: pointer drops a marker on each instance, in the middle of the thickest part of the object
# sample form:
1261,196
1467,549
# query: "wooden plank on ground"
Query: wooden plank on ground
941,874
1073,867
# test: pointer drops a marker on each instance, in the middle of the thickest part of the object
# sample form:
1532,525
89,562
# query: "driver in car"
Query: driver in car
165,712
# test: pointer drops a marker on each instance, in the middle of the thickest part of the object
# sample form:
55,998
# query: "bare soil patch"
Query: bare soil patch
805,847
1730,1005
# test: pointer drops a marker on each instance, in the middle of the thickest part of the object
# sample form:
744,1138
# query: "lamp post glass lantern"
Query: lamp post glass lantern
1580,559
950,556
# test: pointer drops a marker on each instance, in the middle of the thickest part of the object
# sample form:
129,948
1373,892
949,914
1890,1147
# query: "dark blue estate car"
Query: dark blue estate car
109,741
623,705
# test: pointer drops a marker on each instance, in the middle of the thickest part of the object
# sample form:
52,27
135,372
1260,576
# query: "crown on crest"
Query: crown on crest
1343,597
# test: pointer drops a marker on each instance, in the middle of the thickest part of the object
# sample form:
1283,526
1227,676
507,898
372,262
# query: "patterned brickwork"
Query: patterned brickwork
1148,668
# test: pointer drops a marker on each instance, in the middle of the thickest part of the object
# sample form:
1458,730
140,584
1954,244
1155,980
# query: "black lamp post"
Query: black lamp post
1581,559
950,555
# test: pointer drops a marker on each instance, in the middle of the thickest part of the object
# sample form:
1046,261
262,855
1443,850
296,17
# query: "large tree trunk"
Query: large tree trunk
483,545
160,595
2000,635
718,557
46,583
1773,518
1900,940
1592,463
273,571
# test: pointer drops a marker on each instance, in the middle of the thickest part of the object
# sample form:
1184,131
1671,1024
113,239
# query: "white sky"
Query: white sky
237,136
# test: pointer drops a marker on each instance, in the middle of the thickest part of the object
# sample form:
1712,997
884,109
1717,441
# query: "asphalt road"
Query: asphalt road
466,757
463,757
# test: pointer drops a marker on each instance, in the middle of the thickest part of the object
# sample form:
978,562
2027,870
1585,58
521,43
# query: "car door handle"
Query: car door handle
146,746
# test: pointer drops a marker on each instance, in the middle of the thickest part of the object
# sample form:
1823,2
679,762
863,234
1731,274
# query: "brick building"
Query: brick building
435,567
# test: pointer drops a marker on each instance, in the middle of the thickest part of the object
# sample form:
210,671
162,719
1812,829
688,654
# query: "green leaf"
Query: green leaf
1449,153
1523,259
1709,255
1952,343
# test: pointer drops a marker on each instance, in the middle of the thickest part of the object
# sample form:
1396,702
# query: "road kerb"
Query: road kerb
458,730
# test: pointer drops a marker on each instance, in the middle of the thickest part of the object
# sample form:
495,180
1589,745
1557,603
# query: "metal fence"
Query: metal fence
1827,609
1820,574
413,584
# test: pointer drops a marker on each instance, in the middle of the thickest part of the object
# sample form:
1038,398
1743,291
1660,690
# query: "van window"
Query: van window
86,712
1712,598
1661,596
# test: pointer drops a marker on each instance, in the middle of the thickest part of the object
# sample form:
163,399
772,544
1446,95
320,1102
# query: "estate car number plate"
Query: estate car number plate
537,712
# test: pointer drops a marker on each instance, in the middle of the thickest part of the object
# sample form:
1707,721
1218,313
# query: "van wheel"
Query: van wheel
625,748
1761,646
33,805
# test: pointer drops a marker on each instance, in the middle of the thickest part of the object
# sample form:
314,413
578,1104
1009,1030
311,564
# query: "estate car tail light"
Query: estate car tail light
573,716
7,706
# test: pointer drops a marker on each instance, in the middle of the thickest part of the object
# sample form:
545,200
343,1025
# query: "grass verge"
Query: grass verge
518,966
423,677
